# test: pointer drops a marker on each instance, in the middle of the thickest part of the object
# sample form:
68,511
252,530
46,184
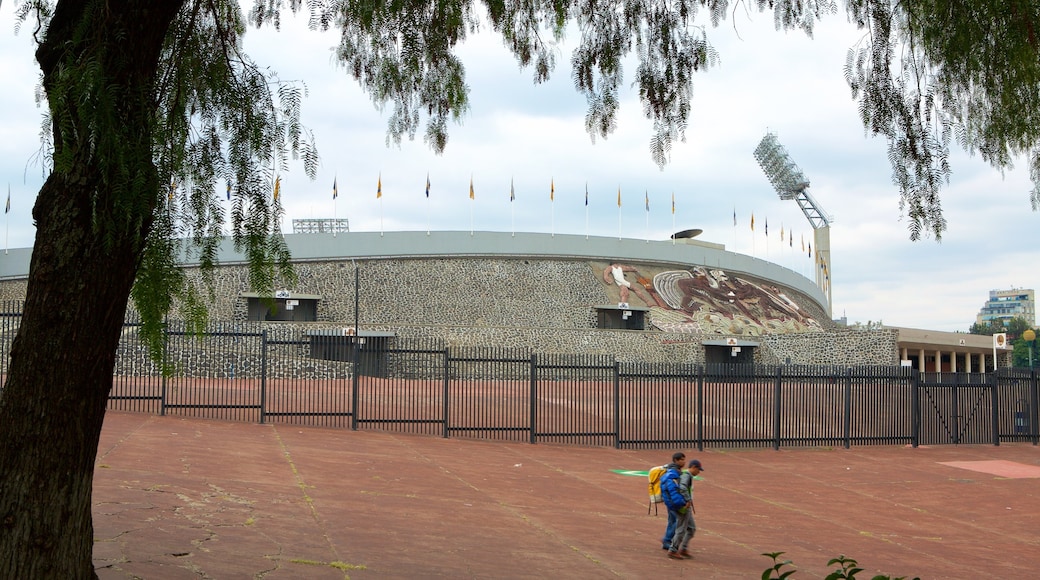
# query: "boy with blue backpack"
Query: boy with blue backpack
677,493
677,464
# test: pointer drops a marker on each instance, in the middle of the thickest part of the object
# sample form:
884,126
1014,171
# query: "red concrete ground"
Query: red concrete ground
188,498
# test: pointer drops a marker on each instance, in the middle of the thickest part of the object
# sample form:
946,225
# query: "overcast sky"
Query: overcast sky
534,135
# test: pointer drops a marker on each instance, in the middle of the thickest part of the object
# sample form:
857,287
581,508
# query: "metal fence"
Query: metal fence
244,372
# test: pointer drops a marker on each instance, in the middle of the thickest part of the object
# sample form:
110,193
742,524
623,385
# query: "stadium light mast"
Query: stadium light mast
789,182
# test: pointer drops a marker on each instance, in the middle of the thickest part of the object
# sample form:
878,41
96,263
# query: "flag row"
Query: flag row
512,192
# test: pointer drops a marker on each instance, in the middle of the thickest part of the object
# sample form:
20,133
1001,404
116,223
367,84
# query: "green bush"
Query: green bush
847,569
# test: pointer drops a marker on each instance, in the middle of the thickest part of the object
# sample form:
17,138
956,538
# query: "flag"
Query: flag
790,240
619,197
471,187
173,188
379,187
752,222
767,227
646,197
512,192
781,231
7,208
586,195
673,203
277,187
803,242
734,217
335,189
229,190
810,249
552,190
427,186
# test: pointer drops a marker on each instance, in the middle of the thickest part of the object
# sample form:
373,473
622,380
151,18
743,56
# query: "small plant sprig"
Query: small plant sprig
847,569
777,567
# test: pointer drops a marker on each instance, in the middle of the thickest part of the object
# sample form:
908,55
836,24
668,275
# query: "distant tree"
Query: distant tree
986,328
152,103
1016,326
1020,354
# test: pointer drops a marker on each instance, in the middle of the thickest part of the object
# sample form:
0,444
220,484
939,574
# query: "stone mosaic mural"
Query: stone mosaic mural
703,300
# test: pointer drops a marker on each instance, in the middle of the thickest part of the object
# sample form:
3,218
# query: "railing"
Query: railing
244,372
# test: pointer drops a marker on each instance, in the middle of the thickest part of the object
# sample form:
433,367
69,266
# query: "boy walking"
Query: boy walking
685,526
677,464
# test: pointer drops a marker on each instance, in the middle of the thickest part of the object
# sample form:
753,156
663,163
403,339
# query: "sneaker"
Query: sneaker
666,547
685,554
675,555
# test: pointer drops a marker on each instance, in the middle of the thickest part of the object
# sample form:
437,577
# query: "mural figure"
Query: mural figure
616,273
702,300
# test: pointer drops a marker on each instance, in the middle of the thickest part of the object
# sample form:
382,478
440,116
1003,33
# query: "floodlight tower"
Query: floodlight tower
790,183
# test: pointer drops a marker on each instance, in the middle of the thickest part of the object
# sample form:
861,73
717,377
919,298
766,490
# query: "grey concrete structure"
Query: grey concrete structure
534,291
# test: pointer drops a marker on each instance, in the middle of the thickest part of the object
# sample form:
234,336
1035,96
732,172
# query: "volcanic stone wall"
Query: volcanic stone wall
537,304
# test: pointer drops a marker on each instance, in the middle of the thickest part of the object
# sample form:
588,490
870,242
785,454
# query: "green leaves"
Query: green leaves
847,569
777,568
926,73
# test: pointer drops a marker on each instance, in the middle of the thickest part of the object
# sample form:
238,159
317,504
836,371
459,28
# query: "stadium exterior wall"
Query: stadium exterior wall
526,290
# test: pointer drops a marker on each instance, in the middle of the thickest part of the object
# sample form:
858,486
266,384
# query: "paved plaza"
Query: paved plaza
192,498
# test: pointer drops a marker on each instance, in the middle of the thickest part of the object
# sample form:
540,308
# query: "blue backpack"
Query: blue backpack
670,490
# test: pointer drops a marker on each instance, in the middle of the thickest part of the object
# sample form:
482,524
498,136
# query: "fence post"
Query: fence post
995,405
915,408
1033,406
263,376
165,364
355,356
1033,387
446,364
534,395
848,407
955,402
617,404
700,408
777,391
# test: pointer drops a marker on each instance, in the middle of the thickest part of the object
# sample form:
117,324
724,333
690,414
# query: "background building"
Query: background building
1004,305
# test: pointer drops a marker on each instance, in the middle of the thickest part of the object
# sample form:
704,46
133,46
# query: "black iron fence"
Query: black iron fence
244,372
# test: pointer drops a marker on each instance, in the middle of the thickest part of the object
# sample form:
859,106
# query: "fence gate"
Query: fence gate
956,408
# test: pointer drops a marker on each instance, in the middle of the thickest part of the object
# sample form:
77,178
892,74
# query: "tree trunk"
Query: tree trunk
93,215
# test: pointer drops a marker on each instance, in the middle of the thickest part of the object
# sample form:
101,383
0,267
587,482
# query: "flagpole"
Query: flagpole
335,194
619,213
673,218
646,197
379,195
552,208
7,219
427,203
734,228
512,210
472,200
586,210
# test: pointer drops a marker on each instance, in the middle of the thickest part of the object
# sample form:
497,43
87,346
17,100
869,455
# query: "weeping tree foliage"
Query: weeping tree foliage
155,115
928,71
